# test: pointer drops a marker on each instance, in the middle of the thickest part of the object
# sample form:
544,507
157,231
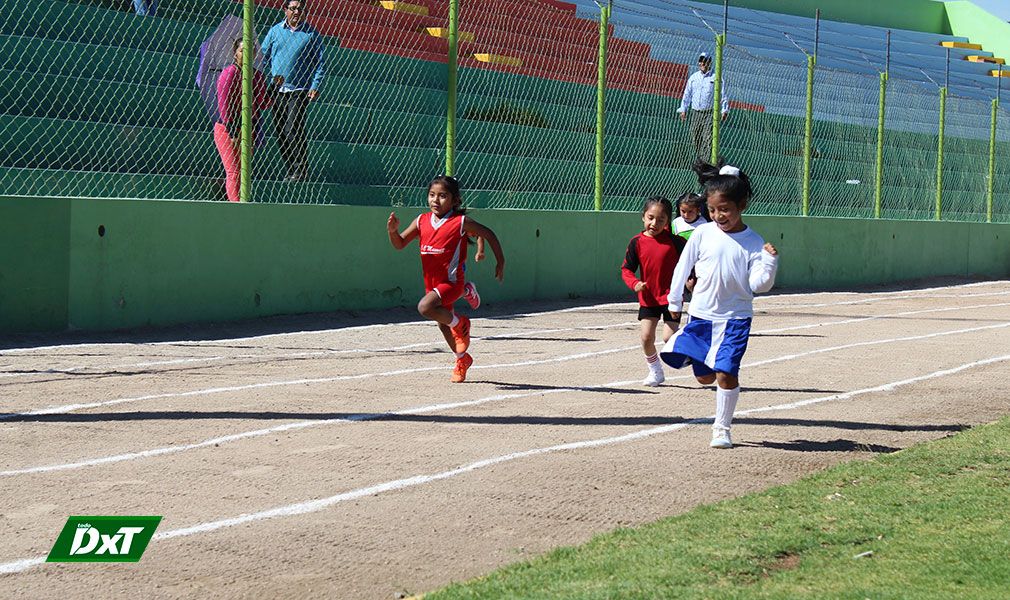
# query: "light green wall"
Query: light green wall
981,27
917,15
163,262
34,256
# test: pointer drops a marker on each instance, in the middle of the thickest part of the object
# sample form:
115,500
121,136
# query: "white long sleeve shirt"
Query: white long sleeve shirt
699,93
731,268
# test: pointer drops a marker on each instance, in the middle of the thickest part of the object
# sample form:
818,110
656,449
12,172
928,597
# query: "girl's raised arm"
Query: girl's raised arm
400,240
762,270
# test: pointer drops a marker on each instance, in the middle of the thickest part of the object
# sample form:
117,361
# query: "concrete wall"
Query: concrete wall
164,262
980,27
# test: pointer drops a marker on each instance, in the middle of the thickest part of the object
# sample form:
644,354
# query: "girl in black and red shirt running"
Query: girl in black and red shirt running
654,253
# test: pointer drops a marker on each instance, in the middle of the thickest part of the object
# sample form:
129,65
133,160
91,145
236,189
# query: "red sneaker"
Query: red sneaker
470,295
462,364
461,334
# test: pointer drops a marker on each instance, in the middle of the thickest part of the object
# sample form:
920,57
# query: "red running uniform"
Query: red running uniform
656,257
443,255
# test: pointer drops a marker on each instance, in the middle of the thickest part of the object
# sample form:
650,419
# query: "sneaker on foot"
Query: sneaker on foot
655,378
461,334
462,364
721,439
470,295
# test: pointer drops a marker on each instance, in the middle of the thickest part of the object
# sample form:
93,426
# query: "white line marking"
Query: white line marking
890,316
324,353
440,407
884,296
236,388
72,407
319,353
311,506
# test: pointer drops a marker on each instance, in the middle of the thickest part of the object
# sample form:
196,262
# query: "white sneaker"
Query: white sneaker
655,378
721,439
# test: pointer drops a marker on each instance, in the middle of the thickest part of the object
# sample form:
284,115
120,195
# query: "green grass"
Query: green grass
935,517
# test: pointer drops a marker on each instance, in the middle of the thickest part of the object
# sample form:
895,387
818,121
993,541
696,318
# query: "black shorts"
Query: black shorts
655,312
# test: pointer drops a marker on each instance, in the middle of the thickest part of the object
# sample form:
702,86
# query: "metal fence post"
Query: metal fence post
808,134
939,154
246,138
878,188
601,91
450,112
720,40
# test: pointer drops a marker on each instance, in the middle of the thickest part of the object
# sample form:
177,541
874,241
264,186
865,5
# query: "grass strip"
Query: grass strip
930,521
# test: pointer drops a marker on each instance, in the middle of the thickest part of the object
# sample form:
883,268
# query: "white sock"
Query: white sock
725,406
455,320
654,363
459,354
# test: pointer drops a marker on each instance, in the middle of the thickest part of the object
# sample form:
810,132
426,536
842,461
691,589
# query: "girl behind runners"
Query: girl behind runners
654,252
733,263
691,209
443,233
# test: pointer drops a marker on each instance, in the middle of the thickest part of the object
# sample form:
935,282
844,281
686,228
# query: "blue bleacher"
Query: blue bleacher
677,34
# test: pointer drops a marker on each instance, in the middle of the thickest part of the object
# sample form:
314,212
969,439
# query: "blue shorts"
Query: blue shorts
710,346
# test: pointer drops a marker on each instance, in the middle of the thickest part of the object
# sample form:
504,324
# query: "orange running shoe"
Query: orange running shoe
461,334
462,364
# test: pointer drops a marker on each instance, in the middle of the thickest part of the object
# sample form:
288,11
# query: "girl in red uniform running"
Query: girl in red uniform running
655,253
443,234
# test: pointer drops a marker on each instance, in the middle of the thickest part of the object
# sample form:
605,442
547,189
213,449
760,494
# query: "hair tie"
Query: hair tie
730,170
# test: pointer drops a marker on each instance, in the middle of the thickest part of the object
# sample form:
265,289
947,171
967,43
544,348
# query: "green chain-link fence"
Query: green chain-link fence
101,102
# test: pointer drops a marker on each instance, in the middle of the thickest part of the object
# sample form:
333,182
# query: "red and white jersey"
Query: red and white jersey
443,248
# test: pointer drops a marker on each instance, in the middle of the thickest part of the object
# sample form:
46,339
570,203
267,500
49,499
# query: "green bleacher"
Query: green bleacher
117,114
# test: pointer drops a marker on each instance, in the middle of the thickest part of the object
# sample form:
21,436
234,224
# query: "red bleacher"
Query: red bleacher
545,35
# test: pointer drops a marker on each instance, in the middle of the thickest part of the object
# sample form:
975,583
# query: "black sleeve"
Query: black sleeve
631,261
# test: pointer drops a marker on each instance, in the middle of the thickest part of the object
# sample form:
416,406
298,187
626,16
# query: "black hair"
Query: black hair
736,188
665,204
287,3
235,45
452,185
691,199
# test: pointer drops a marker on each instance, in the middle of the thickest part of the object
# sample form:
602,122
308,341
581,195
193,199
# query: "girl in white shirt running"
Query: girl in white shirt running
733,263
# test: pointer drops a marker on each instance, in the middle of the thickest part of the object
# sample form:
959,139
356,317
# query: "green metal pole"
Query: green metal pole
601,89
939,154
720,41
992,162
808,135
878,187
450,117
248,54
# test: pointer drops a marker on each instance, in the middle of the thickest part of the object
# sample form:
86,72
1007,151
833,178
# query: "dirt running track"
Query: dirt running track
333,459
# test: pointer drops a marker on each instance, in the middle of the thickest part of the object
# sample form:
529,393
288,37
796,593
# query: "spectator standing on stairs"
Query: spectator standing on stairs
698,96
294,51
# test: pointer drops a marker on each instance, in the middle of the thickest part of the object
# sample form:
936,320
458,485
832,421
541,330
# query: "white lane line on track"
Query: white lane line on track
884,296
441,407
66,408
72,407
323,354
907,313
317,353
319,504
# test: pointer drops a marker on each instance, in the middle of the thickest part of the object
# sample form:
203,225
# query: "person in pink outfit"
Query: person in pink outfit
228,130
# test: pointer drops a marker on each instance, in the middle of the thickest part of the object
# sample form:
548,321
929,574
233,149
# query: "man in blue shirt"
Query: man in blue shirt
294,51
698,96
